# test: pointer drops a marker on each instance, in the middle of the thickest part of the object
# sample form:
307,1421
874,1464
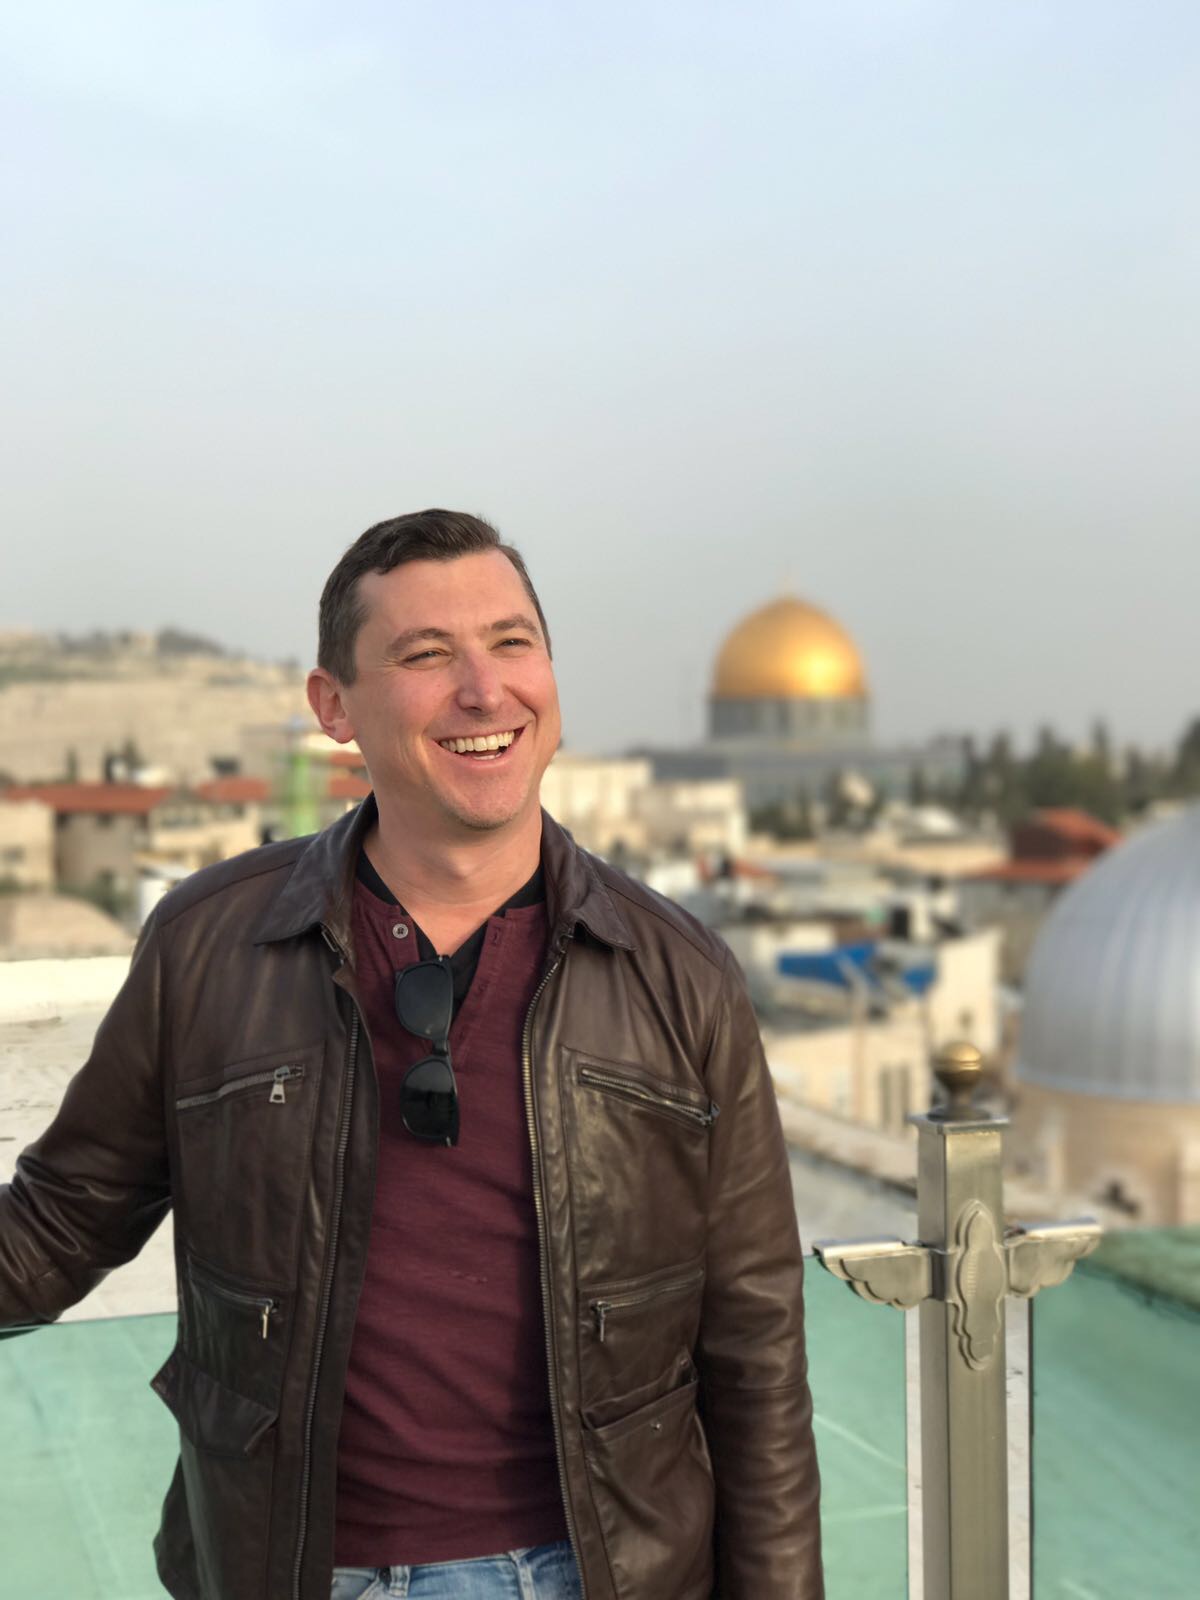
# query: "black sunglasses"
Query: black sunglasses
428,1093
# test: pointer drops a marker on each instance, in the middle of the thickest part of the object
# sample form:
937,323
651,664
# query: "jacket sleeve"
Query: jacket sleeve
92,1189
751,1357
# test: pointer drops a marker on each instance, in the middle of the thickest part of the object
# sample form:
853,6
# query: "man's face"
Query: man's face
451,651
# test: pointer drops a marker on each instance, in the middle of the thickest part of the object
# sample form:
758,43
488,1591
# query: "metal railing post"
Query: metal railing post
959,1275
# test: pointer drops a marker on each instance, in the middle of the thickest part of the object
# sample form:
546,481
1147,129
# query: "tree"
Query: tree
786,819
1101,744
1056,777
971,796
1185,775
125,762
1003,780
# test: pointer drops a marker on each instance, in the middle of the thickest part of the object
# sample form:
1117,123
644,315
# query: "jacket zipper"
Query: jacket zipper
601,1309
540,1213
327,1286
265,1305
626,1088
277,1077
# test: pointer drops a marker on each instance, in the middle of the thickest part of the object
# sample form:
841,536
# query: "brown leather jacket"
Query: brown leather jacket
232,1079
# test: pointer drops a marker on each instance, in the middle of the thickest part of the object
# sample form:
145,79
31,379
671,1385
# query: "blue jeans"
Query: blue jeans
547,1572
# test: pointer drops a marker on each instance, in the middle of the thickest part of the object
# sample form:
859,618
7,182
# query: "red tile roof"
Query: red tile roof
347,787
1080,827
99,799
236,790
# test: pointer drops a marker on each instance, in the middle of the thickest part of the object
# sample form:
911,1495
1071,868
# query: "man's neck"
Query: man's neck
448,885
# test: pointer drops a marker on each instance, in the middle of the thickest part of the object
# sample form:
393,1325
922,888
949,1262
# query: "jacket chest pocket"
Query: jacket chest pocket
647,1093
638,1159
244,1138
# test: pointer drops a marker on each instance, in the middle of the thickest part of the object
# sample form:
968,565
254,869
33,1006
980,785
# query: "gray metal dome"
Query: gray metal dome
1112,989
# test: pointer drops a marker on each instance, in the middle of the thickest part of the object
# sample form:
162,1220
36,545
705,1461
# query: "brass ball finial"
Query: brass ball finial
958,1066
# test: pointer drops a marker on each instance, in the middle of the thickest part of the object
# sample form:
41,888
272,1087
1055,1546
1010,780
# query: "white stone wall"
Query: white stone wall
962,1002
38,990
870,1072
707,815
1079,1145
27,843
606,803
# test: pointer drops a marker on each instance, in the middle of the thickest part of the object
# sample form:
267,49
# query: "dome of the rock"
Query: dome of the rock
788,649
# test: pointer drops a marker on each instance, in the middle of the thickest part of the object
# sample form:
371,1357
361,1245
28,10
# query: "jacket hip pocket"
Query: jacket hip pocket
227,1457
652,1486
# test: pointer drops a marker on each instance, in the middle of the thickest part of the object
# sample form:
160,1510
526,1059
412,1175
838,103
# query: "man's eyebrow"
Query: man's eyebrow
508,624
403,641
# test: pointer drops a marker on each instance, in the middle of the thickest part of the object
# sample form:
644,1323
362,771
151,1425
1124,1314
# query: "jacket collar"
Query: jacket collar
320,889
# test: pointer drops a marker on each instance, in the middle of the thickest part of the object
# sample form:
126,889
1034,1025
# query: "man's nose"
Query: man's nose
479,685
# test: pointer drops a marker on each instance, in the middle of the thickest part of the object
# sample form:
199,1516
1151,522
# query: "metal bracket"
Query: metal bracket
885,1272
1044,1254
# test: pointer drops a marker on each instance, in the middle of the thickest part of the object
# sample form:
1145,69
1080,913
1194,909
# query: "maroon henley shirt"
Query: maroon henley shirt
446,1449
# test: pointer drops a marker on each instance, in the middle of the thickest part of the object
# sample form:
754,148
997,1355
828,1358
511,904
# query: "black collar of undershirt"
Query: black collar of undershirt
466,958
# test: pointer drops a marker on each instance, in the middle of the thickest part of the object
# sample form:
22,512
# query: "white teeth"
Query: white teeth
483,743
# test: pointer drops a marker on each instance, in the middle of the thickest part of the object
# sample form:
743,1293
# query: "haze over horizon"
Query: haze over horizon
893,304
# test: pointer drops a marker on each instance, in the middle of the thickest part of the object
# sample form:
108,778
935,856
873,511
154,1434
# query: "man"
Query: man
489,1282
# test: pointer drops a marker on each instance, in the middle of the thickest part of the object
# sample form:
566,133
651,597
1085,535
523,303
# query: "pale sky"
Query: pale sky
890,301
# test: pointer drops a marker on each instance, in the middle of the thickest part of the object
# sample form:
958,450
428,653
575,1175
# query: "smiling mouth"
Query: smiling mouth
482,746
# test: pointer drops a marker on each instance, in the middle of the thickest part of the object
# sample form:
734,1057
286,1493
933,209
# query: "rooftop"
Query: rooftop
104,799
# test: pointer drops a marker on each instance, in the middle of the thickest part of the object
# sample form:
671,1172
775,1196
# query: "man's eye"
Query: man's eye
423,655
516,641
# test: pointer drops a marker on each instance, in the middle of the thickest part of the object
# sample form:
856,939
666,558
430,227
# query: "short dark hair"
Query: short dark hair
432,535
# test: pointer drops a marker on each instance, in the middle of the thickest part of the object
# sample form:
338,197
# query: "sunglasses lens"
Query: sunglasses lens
428,1102
425,998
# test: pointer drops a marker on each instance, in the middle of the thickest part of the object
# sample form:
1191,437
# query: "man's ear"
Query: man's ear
329,708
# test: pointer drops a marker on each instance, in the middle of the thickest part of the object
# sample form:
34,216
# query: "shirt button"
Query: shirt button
399,930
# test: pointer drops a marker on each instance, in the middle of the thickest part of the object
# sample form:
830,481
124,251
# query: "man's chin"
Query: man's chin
484,818
481,824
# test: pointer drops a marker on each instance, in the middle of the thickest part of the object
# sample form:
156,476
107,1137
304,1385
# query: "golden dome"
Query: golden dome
789,650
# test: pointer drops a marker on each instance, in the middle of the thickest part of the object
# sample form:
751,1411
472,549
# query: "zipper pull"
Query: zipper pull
600,1312
268,1307
283,1075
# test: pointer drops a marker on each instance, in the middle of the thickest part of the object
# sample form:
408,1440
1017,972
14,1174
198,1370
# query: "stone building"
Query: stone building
107,834
1108,1062
616,808
26,845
